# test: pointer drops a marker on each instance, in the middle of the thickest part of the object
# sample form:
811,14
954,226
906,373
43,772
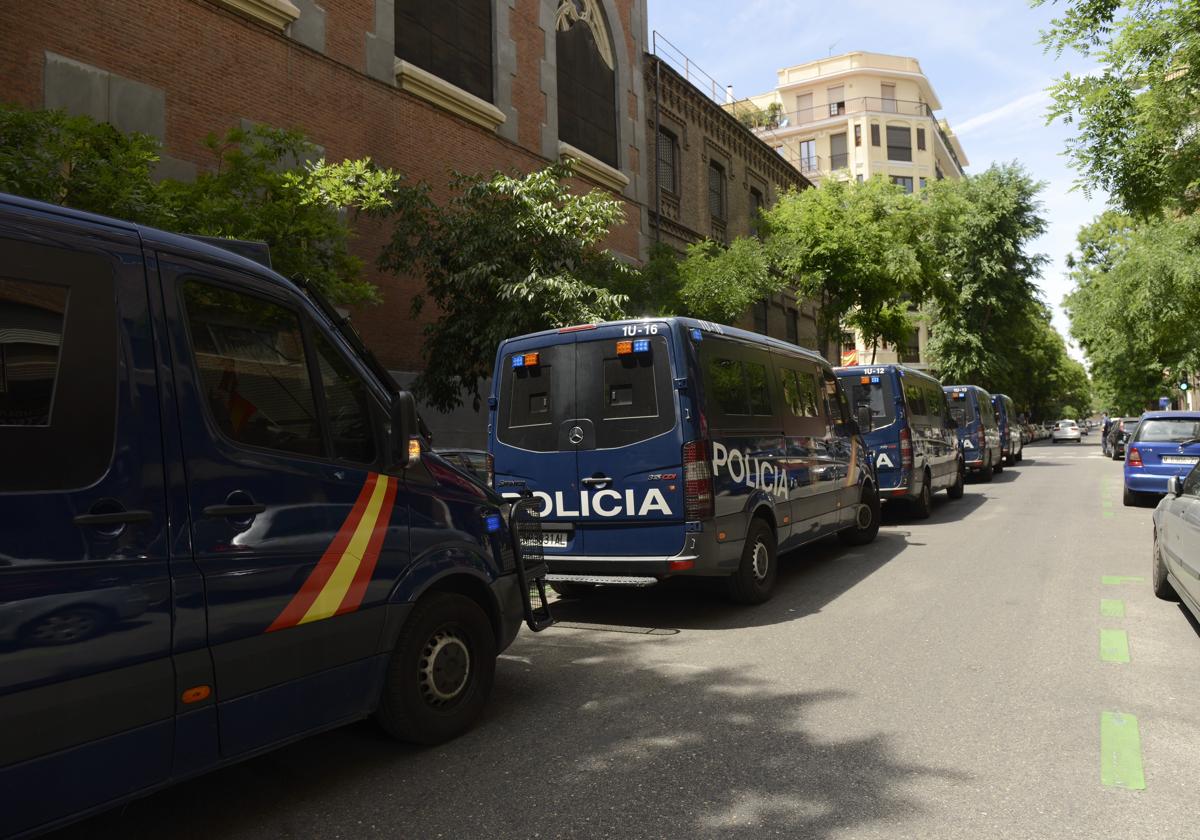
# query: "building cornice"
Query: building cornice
276,14
439,92
592,168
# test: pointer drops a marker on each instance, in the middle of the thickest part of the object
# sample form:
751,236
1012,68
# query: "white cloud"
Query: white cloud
1023,106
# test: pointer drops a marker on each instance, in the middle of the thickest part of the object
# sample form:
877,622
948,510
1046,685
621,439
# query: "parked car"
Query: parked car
1011,445
219,528
1066,430
1176,559
675,447
906,424
978,430
1119,434
1166,444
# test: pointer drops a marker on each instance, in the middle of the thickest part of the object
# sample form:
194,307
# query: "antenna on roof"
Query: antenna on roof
834,44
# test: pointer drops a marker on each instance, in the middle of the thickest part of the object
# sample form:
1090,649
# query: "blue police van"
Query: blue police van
1012,448
671,447
978,429
906,424
219,530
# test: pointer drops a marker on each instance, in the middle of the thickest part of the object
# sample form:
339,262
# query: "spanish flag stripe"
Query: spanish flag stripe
319,576
366,569
335,590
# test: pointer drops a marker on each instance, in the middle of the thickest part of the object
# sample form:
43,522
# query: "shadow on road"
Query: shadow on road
586,736
899,512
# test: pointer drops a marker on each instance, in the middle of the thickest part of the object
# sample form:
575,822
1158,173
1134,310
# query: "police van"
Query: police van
671,447
1012,448
906,424
219,530
978,429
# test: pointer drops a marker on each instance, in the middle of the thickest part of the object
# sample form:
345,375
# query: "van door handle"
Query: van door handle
594,480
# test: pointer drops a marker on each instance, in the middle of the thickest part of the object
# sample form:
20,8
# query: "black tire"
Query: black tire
459,635
988,472
922,506
1131,498
860,534
955,490
1160,582
755,577
574,590
1021,454
999,465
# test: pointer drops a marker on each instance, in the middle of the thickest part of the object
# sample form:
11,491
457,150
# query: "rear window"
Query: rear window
1164,430
962,407
875,393
529,400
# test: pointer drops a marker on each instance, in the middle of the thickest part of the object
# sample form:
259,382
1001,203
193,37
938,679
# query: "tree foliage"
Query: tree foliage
506,255
1136,116
265,184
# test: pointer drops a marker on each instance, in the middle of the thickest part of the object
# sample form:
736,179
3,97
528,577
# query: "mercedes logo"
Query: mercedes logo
575,435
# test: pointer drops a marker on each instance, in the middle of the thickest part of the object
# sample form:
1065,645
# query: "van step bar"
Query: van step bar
604,580
531,565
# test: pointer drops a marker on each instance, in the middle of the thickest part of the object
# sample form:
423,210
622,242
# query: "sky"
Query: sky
983,59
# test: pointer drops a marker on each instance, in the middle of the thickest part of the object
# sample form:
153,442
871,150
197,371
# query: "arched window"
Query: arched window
587,80
451,39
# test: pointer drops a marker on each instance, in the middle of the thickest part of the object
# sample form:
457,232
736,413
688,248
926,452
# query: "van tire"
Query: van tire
751,584
987,472
408,708
922,505
999,466
955,490
856,535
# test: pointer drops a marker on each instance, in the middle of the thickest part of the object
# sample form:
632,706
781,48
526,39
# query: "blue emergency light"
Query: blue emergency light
874,380
696,334
494,523
641,345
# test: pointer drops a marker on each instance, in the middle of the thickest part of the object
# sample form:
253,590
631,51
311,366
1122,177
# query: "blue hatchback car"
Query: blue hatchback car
1166,443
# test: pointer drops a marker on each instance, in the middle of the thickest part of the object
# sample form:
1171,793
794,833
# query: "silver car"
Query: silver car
1176,572
1066,430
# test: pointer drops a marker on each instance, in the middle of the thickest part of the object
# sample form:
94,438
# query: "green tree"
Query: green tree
506,255
1137,115
987,297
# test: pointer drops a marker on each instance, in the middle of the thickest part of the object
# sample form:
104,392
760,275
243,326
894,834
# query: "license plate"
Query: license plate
1180,459
550,539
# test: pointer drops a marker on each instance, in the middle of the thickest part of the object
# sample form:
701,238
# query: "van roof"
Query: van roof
905,369
174,242
688,323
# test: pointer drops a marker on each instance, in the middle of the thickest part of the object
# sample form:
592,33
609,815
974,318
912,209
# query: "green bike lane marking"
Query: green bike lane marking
1117,580
1121,752
1114,646
1112,608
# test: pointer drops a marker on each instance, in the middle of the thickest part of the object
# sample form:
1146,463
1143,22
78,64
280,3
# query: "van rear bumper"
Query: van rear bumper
623,566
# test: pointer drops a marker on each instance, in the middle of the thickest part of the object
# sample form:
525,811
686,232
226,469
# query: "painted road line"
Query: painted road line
1114,646
1112,608
1107,514
1117,580
1120,752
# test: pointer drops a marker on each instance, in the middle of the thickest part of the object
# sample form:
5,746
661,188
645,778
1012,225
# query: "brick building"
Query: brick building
421,87
709,176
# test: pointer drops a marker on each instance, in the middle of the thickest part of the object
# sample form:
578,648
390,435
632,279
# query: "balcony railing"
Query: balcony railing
774,118
839,161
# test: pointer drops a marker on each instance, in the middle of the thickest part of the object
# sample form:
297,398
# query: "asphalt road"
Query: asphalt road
945,681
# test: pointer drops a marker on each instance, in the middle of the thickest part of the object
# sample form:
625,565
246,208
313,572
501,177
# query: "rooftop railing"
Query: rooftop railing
775,118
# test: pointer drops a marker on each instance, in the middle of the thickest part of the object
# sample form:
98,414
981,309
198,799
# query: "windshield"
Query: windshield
1164,430
873,392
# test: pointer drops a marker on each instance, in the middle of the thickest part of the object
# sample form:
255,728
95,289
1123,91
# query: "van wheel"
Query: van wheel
922,506
1021,454
866,528
441,671
754,580
986,474
955,490
999,468
1162,586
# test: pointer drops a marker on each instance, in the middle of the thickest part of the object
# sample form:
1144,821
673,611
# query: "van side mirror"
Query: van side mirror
863,415
1175,486
405,424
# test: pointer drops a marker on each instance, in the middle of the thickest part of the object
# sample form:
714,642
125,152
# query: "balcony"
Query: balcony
839,161
772,119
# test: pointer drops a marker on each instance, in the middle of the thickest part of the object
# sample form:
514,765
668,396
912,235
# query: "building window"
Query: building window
889,98
899,142
836,96
937,171
452,40
874,134
858,178
587,80
923,182
716,190
838,157
857,136
910,353
804,108
668,161
921,139
756,203
808,155
793,326
903,181
760,317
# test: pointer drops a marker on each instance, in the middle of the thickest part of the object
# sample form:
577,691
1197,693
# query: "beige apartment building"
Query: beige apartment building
858,115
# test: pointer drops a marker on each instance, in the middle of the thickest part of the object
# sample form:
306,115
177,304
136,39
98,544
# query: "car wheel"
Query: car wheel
441,672
866,527
955,490
1162,585
574,590
754,579
66,626
1131,498
922,506
988,471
